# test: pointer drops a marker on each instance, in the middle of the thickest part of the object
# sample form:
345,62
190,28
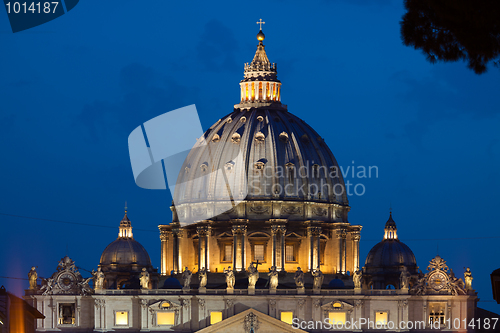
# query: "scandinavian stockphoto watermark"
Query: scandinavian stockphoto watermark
159,148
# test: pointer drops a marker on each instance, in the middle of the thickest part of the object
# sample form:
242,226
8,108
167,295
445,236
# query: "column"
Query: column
202,232
318,247
177,233
165,234
235,246
283,232
207,248
344,251
243,239
274,231
239,230
311,248
314,246
340,255
355,238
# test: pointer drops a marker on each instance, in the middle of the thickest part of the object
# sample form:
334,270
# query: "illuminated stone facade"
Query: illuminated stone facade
294,216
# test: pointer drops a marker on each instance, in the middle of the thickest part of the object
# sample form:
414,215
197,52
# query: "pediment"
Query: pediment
243,322
164,305
334,305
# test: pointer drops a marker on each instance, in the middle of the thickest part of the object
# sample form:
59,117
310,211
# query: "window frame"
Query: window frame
444,306
115,318
210,316
75,313
165,311
380,311
222,248
287,311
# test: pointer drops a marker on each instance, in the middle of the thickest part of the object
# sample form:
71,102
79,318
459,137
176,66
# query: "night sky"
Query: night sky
72,90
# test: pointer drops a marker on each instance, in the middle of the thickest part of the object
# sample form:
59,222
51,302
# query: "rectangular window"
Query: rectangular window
121,318
289,253
381,318
67,313
258,252
165,318
437,313
287,317
215,317
228,252
337,317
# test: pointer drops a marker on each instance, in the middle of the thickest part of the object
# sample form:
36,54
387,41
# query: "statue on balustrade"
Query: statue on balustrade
318,278
98,279
144,279
202,274
253,275
229,277
299,278
186,275
33,276
357,278
273,278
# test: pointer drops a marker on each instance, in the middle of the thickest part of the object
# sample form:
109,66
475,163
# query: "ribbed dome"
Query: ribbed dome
260,153
125,251
274,140
390,253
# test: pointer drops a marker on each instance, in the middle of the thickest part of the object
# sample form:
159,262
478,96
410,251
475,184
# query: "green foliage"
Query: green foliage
452,30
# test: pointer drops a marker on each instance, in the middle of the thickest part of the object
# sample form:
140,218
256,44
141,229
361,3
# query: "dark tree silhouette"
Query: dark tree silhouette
452,30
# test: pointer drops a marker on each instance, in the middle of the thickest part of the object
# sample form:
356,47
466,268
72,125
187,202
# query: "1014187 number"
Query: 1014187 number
33,7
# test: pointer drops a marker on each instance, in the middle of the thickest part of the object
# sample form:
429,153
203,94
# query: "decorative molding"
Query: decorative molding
292,210
229,303
319,211
251,323
259,210
99,303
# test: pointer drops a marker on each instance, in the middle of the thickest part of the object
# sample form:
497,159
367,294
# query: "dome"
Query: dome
390,254
125,251
260,154
336,284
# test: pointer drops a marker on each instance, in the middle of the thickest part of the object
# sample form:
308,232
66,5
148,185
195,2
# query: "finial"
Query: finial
390,209
260,23
125,207
260,35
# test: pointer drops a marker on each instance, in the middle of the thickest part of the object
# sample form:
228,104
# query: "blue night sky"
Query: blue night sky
72,90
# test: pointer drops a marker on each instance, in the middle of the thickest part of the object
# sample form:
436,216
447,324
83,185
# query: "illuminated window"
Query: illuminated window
289,253
228,252
337,305
121,318
67,313
260,90
165,318
381,318
437,313
287,317
337,317
258,252
215,317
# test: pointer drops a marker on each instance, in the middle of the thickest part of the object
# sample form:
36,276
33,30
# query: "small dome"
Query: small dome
390,253
125,251
336,284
